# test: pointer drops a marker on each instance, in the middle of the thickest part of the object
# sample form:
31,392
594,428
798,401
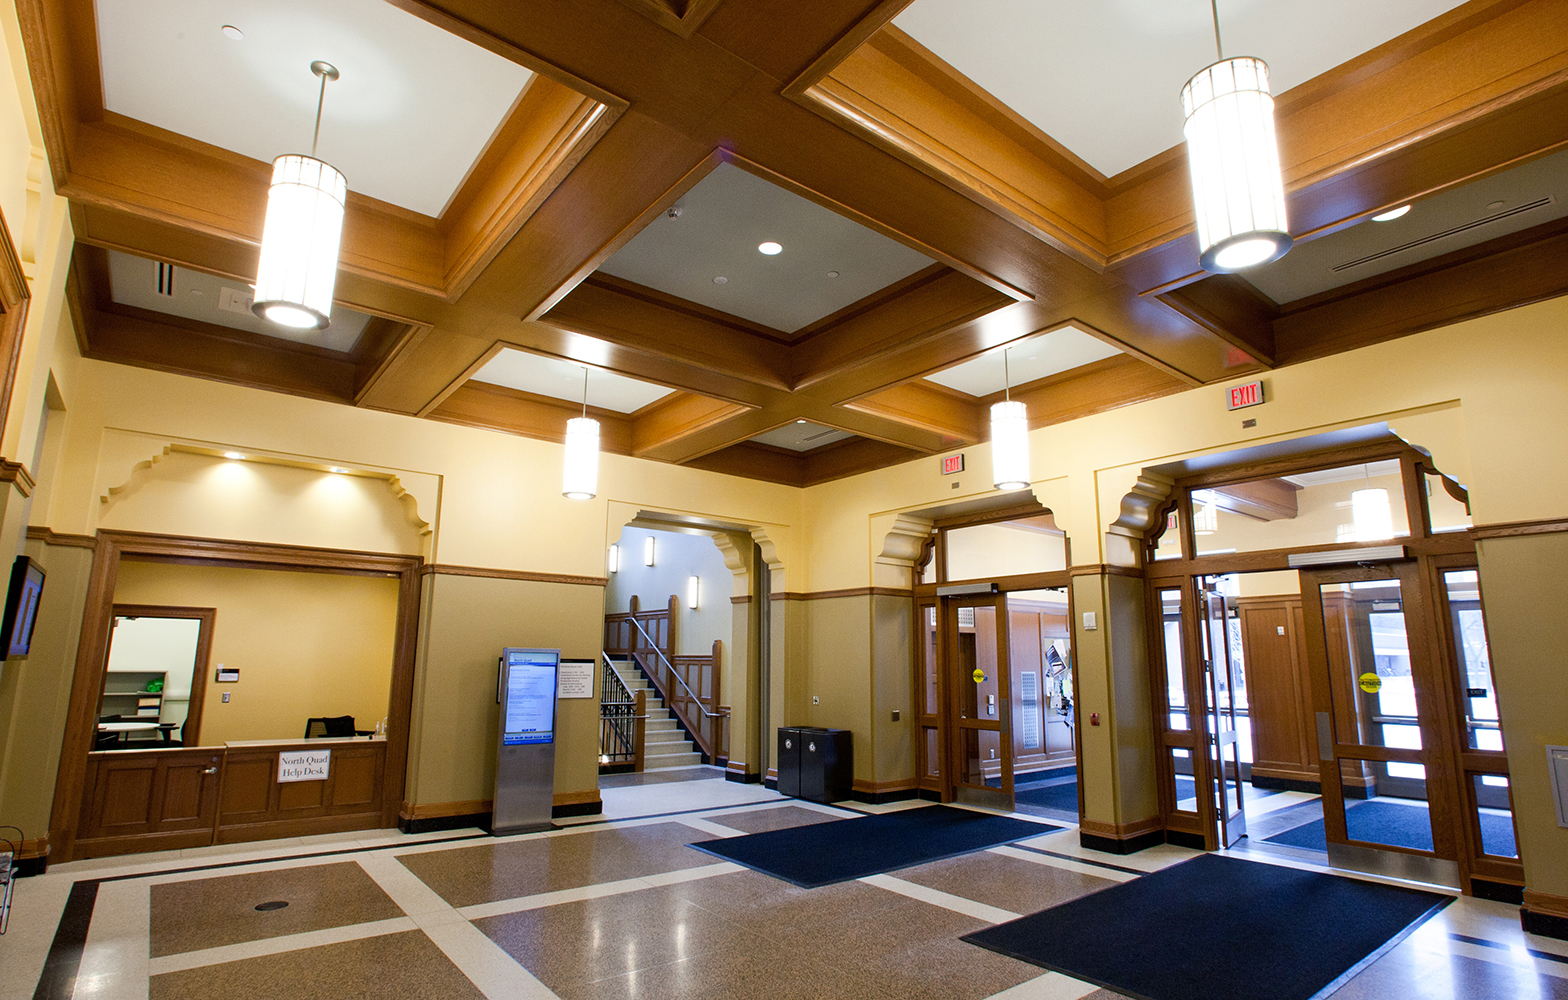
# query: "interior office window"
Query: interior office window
1353,503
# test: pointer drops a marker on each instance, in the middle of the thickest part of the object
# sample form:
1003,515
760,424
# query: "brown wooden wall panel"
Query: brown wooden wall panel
1283,740
144,800
124,796
294,796
357,781
247,786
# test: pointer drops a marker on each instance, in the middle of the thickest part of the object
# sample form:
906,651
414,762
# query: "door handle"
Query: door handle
210,770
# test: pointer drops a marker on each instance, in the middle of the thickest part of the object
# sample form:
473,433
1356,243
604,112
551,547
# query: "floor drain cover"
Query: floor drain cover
276,904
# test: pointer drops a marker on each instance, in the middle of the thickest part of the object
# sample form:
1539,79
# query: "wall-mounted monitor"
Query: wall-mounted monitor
21,606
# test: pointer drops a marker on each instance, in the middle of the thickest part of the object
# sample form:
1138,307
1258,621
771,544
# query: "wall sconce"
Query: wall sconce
693,592
647,551
613,563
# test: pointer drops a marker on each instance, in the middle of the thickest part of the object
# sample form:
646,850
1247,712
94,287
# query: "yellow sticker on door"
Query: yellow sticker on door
1370,683
979,676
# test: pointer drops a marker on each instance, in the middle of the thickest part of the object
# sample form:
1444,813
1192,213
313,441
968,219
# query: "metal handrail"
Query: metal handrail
625,688
673,672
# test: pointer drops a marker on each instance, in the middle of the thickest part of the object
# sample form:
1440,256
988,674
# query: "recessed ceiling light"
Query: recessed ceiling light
231,31
1496,206
1034,357
1391,214
800,421
721,280
832,274
336,468
770,248
233,454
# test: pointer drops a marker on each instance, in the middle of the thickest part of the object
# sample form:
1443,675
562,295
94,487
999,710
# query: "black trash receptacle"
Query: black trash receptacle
827,767
788,763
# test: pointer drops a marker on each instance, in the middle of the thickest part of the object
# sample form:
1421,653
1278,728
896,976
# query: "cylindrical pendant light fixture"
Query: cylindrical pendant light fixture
301,235
1238,194
580,470
1205,516
1374,518
1009,438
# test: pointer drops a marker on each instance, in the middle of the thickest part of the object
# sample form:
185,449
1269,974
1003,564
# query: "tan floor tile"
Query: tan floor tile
1406,974
488,872
391,967
1010,883
763,820
209,912
639,779
609,937
751,895
731,975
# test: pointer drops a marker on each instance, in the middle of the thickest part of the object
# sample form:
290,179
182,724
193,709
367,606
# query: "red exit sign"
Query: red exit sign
952,464
1250,394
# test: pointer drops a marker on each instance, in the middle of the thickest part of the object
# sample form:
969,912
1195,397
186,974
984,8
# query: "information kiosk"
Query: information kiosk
525,755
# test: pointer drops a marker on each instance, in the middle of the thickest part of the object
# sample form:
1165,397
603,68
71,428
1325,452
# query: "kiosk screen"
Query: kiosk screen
530,696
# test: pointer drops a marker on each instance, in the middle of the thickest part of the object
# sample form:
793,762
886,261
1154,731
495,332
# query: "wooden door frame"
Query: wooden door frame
948,632
208,617
97,615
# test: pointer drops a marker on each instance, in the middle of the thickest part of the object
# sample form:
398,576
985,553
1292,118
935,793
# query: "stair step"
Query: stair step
671,760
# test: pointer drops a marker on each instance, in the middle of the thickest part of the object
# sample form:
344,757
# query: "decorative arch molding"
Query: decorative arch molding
903,543
118,486
1141,508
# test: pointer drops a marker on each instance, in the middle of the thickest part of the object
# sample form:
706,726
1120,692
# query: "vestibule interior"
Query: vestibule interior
996,663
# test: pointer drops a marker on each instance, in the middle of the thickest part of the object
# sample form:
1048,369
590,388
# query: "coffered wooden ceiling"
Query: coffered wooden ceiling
633,102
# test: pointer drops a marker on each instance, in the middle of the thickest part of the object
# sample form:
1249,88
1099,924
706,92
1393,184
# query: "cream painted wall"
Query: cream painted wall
677,557
306,644
467,621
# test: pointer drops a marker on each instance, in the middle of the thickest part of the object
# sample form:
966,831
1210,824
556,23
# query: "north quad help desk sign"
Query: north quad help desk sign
304,765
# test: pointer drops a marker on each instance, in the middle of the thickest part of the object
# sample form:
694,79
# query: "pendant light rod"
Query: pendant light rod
585,391
1219,49
326,71
1007,376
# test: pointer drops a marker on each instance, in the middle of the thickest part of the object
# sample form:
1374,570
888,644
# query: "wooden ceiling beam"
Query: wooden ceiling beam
496,407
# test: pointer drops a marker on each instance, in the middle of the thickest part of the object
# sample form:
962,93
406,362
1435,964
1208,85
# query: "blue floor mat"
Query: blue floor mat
1063,796
840,850
1217,928
1394,824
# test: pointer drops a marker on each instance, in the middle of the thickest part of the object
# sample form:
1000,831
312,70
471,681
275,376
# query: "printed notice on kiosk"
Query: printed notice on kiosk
530,697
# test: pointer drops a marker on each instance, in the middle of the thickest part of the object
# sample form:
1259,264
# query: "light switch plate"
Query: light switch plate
1089,622
815,700
226,696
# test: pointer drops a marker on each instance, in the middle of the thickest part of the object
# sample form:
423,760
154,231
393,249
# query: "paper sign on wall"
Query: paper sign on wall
304,765
575,679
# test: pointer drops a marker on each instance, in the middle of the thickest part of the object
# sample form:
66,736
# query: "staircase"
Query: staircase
664,744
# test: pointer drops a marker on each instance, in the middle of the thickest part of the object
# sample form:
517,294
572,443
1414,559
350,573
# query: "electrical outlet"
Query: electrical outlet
815,700
226,696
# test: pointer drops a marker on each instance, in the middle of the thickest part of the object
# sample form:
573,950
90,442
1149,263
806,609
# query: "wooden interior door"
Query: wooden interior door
149,800
979,713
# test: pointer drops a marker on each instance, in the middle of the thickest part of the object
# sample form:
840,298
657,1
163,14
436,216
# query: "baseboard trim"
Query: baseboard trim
32,857
741,777
1122,838
1544,914
1497,892
431,817
1286,784
877,798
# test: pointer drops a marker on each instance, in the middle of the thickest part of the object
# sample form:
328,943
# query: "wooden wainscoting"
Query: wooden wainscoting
256,806
149,800
167,799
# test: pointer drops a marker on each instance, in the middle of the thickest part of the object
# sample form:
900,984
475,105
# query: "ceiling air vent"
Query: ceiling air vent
829,432
1455,231
166,280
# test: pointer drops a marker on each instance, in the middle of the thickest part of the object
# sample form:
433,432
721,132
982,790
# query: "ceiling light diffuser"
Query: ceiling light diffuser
1009,439
1238,194
1392,214
580,468
300,238
770,248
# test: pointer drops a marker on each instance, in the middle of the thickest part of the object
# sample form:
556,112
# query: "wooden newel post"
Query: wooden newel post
639,728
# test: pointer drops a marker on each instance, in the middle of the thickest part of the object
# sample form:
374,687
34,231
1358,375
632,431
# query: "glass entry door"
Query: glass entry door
1221,691
1376,698
978,675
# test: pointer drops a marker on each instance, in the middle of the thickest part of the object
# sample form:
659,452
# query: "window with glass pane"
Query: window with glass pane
1186,790
1175,675
1168,545
1495,815
1354,503
1463,590
1380,810
928,658
1006,548
1238,661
